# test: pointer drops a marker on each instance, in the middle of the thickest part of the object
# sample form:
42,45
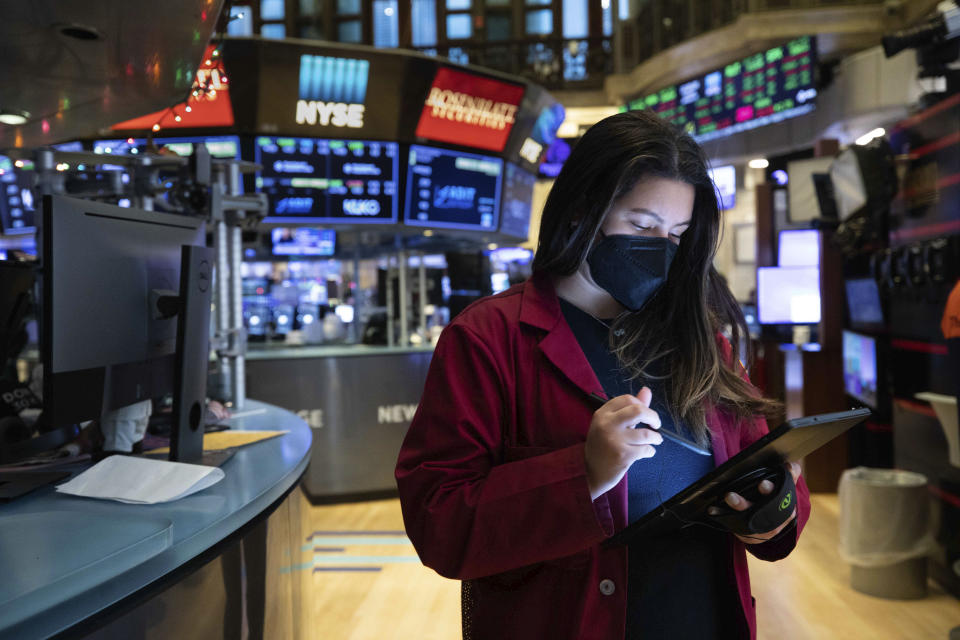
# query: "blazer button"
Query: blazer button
607,587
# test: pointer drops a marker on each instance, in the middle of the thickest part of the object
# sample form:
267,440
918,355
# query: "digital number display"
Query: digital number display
761,89
311,180
453,189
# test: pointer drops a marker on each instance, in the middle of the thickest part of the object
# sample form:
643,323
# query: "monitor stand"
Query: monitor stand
193,354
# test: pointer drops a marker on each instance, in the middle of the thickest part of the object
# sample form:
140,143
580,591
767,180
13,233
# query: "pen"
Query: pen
599,401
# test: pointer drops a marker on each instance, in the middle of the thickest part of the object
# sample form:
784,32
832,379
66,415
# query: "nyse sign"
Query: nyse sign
327,114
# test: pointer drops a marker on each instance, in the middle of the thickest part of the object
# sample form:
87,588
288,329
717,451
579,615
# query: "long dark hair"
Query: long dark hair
675,335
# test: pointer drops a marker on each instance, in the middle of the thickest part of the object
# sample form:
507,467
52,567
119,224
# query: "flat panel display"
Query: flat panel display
801,189
725,178
860,367
863,303
788,295
218,146
452,189
798,248
303,241
318,181
469,110
517,201
17,201
766,87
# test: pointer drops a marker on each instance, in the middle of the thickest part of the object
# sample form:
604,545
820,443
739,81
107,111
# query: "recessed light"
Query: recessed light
79,32
759,163
13,118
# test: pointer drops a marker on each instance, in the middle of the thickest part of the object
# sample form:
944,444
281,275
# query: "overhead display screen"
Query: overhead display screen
453,189
218,146
311,180
761,89
469,110
517,201
17,204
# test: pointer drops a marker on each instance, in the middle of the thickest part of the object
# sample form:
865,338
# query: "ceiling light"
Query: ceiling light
14,118
759,163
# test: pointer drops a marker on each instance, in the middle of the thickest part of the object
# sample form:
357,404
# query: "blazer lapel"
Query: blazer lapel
541,308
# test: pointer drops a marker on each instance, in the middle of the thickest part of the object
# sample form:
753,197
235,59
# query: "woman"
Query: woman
510,477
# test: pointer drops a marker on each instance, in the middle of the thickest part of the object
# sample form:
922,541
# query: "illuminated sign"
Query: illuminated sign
208,105
332,91
469,110
766,87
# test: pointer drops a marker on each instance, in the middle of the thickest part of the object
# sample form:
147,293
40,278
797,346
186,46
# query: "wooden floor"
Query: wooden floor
362,581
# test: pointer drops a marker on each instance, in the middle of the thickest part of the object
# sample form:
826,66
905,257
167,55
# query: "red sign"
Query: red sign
469,110
207,106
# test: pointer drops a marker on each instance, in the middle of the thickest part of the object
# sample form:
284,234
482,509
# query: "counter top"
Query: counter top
283,351
67,558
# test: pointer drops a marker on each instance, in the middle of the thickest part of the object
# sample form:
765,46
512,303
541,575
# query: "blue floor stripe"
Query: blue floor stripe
364,569
365,559
345,542
356,533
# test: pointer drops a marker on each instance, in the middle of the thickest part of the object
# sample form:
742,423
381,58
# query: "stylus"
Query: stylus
599,401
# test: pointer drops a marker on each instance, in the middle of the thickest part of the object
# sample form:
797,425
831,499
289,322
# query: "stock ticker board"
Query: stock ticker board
760,89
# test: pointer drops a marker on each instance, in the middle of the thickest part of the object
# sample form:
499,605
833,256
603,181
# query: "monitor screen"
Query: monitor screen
517,201
218,146
469,110
725,178
303,241
17,199
453,189
760,89
788,295
798,248
317,181
860,367
863,303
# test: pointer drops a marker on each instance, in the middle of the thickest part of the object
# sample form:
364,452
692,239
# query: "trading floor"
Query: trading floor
366,583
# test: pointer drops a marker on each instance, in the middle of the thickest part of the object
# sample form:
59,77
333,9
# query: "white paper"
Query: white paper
141,480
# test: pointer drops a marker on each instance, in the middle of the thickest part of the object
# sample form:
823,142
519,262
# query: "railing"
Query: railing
555,63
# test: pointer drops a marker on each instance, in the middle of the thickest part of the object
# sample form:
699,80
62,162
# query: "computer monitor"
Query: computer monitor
517,202
860,370
864,306
303,241
17,208
798,248
104,343
725,179
453,189
788,295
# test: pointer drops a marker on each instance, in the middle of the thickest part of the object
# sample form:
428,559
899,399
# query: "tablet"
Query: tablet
788,442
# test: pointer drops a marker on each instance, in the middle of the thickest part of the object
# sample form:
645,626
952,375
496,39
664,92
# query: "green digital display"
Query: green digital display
760,89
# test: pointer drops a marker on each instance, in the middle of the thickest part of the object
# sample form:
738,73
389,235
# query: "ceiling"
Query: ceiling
74,68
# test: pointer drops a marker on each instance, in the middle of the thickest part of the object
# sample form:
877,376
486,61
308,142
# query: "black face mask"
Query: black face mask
631,268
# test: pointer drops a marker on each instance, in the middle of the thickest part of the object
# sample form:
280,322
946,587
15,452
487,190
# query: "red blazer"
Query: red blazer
493,484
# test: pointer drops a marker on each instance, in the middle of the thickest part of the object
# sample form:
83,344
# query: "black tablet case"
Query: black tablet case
790,441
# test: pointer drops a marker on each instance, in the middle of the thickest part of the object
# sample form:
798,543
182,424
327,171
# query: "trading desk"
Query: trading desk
81,567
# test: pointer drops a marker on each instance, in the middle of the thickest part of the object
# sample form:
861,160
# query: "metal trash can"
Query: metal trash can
885,533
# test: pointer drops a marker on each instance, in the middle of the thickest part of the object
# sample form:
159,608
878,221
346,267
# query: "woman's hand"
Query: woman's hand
613,444
739,503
